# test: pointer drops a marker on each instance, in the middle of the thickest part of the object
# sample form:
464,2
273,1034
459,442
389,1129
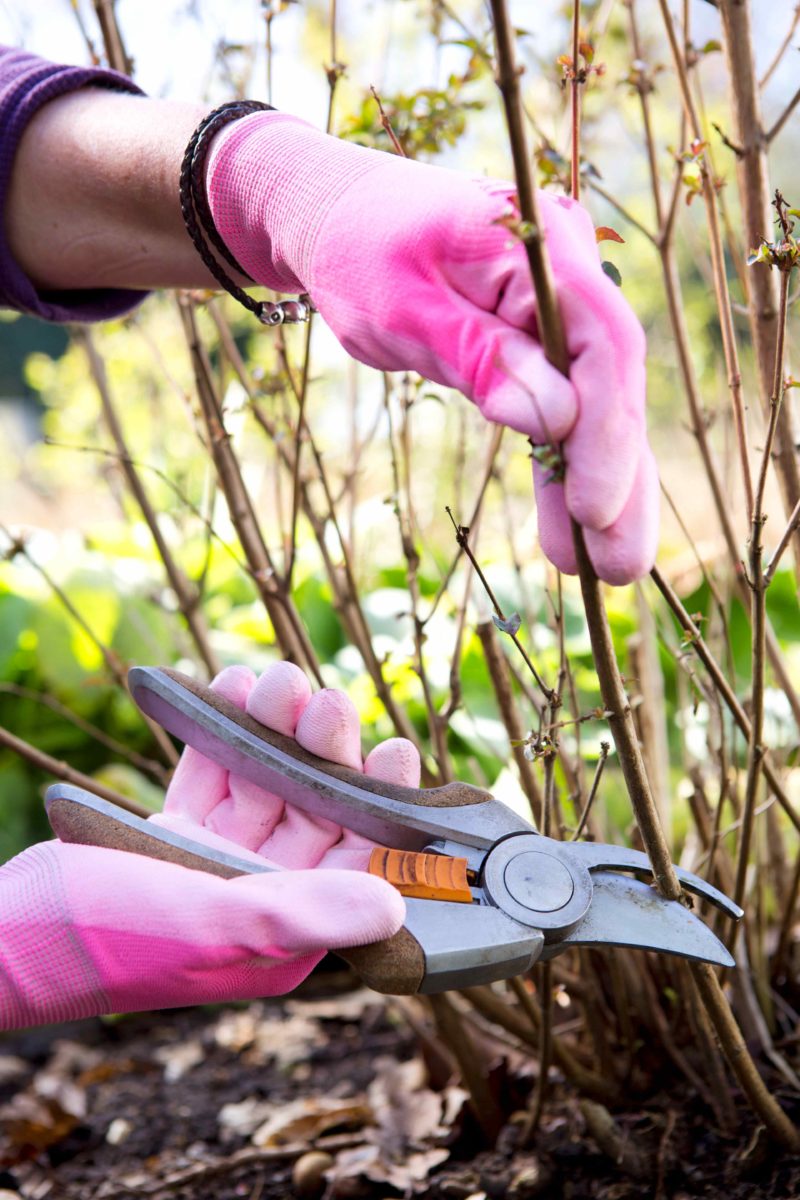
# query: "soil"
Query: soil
165,1104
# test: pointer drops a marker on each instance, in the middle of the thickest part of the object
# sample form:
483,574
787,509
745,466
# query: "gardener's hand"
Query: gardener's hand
413,267
85,930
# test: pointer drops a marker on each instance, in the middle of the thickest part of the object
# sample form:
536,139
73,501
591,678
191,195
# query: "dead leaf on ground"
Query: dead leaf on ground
262,1039
306,1119
369,1162
31,1124
179,1058
241,1118
349,1007
12,1068
407,1112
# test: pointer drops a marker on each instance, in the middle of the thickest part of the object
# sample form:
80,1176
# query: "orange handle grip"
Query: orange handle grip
424,876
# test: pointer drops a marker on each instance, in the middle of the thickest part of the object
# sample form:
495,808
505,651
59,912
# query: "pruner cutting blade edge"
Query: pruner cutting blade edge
486,896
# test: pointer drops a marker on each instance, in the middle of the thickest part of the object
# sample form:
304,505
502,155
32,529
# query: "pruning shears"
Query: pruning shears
486,895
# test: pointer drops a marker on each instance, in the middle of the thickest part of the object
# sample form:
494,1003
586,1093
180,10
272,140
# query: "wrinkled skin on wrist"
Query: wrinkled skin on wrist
85,930
414,267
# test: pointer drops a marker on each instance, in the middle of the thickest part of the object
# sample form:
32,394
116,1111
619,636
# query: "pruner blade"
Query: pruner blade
627,912
597,856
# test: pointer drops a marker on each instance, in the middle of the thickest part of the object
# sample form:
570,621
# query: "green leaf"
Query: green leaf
612,272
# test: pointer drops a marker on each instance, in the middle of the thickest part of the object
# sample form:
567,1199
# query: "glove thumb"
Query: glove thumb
308,910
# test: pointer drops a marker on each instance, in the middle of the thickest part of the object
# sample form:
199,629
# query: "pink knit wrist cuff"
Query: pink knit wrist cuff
271,179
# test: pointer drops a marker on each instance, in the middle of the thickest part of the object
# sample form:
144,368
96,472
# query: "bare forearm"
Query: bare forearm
94,194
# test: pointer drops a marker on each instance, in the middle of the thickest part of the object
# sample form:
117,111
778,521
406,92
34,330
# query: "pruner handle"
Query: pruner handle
404,818
395,966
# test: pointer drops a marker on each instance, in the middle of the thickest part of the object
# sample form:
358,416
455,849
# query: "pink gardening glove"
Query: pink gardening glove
85,930
412,268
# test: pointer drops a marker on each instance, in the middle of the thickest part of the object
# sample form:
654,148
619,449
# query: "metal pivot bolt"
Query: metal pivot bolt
529,879
539,882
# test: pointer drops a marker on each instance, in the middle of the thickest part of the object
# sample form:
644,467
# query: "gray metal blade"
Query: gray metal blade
626,912
598,856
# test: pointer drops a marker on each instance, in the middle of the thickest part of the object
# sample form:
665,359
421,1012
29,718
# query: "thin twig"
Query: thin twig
185,594
61,770
779,53
387,125
575,81
531,1125
598,775
290,632
707,180
780,549
153,768
462,538
784,117
724,688
405,520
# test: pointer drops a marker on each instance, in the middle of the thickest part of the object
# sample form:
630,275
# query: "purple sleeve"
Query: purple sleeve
26,83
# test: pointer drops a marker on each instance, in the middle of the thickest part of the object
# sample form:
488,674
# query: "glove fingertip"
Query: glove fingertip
329,727
394,761
279,697
555,527
626,551
234,684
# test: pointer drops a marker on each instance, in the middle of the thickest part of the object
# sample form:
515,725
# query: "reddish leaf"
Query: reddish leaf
604,233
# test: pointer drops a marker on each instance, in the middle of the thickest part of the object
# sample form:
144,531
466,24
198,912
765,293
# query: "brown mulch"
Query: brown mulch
327,1093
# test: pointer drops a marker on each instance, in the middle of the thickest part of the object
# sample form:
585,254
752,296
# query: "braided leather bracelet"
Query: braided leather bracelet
200,223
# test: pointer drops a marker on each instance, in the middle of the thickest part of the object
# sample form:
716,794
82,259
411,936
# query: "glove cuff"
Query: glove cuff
270,181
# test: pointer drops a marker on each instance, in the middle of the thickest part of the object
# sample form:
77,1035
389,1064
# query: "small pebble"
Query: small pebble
308,1176
118,1132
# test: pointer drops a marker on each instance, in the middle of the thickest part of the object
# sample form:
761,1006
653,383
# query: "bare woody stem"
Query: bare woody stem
185,594
575,106
611,688
62,770
717,258
724,689
462,537
675,306
500,675
342,581
548,316
758,609
752,170
290,632
551,333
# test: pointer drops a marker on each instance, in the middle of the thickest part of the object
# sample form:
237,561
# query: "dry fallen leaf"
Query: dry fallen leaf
350,1007
406,1112
244,1117
260,1039
178,1059
368,1162
12,1068
31,1124
306,1119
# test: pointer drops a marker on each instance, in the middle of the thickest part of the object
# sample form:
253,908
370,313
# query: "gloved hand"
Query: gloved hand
85,930
412,268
